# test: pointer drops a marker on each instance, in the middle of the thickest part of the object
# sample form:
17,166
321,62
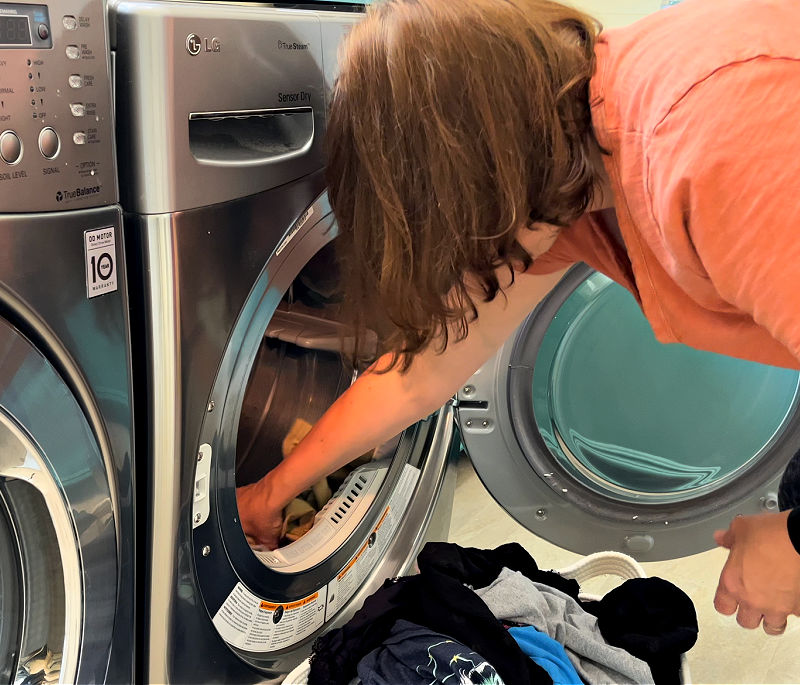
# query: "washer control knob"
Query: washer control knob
49,143
10,147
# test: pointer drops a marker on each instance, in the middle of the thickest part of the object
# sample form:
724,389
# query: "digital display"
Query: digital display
14,30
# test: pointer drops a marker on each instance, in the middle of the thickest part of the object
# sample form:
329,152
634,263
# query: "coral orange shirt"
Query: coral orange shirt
699,106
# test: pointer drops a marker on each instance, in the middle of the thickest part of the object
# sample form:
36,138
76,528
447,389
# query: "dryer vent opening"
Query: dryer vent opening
299,371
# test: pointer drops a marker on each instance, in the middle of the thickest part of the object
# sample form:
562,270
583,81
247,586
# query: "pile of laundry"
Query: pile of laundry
493,617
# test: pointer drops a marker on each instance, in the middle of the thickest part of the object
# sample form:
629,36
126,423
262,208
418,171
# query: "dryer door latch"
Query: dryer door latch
202,478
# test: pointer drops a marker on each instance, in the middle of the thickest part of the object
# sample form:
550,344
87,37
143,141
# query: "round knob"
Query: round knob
49,144
10,147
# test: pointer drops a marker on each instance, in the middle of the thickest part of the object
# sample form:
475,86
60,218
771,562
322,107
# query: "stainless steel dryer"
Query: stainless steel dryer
66,480
221,112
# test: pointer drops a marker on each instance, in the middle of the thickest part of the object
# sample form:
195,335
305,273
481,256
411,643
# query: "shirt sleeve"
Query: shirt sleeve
723,168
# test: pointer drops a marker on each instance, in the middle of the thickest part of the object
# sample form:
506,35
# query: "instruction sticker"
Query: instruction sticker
101,261
248,622
352,576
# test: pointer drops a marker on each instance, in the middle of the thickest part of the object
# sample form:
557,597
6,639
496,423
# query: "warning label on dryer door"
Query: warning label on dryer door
248,622
350,578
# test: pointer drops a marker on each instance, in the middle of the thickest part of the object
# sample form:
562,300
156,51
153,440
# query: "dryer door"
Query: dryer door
596,437
58,546
282,368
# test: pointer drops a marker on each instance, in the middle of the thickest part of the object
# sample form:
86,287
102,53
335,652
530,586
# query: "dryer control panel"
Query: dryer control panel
56,132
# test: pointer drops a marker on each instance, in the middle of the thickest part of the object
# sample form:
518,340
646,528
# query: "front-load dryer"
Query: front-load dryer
221,112
66,477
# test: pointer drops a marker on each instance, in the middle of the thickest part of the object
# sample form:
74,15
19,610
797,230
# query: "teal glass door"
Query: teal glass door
633,418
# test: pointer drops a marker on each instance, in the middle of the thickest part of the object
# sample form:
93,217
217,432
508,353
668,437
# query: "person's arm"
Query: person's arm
378,406
724,161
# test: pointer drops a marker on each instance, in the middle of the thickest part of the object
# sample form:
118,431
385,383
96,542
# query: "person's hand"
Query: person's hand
261,520
761,577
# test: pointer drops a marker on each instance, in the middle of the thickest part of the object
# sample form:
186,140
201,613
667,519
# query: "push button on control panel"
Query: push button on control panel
43,31
79,138
73,52
75,81
77,109
49,144
69,22
10,147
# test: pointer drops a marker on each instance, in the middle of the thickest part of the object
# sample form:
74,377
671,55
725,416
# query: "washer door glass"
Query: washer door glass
639,446
11,605
58,546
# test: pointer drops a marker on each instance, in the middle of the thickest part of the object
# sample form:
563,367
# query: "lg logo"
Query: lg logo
195,44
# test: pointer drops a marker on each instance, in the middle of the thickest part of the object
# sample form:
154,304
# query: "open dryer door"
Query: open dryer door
283,363
595,436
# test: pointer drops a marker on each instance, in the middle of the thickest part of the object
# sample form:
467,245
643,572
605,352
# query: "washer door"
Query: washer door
596,437
58,547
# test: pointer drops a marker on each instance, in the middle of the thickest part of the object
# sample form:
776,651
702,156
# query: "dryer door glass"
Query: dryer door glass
595,436
635,419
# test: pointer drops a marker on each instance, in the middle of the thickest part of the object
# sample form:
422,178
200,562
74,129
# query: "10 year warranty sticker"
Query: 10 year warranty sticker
101,261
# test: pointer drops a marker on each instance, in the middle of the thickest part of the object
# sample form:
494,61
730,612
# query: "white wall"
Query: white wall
617,12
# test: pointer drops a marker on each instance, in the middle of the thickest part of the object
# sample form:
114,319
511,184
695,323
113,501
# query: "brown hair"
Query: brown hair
453,123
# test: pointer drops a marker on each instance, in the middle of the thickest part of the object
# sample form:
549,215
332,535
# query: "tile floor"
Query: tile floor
724,653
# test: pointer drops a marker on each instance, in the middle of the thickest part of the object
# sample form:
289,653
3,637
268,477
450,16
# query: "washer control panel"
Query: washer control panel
56,128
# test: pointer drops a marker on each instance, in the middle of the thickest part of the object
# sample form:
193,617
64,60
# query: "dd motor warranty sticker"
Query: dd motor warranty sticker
99,249
248,622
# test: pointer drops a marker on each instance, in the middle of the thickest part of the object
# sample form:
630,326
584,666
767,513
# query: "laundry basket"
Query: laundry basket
592,566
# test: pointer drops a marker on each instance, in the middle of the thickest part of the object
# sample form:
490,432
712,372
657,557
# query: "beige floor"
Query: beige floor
724,653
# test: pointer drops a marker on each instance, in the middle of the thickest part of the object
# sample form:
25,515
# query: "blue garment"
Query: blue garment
548,653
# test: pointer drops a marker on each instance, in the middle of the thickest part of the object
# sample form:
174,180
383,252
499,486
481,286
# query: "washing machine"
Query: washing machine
66,469
221,111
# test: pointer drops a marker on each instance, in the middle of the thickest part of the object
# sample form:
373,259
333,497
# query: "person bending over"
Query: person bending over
478,148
